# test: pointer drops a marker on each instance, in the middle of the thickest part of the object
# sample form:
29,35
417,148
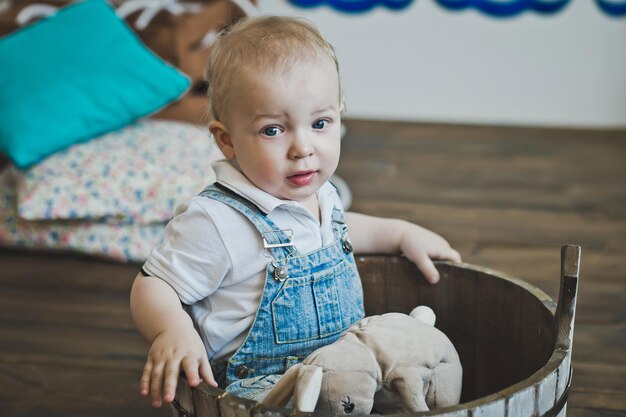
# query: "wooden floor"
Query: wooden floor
507,198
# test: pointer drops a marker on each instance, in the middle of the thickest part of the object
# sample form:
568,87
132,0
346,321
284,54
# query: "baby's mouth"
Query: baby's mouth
302,178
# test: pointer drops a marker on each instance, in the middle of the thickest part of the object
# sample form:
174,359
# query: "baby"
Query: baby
257,271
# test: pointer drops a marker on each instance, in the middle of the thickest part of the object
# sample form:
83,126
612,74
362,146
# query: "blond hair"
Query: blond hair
260,43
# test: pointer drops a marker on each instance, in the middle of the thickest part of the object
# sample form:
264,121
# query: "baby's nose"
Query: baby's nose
301,147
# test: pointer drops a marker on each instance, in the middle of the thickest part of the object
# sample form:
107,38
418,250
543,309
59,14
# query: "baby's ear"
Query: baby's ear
222,138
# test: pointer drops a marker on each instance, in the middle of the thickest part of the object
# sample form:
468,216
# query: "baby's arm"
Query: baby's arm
379,235
159,316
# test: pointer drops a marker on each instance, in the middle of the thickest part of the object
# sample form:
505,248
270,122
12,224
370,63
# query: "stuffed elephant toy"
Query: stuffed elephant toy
393,362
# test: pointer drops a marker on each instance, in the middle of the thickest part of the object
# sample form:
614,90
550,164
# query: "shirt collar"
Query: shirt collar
229,175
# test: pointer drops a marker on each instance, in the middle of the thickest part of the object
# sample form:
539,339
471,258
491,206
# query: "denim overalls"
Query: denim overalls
307,302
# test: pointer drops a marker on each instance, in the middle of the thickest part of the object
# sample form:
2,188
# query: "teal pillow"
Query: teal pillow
76,75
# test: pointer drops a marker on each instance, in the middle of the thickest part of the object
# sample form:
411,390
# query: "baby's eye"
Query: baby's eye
271,131
320,124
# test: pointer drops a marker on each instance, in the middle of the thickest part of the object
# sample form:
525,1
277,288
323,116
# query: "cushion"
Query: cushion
73,76
118,240
139,173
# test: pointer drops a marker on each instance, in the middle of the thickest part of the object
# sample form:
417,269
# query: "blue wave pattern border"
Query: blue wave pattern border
505,8
493,8
612,7
353,6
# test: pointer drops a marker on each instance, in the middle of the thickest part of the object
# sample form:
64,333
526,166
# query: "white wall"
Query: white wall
426,63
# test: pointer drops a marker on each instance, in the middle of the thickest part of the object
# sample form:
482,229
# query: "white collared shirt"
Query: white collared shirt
212,255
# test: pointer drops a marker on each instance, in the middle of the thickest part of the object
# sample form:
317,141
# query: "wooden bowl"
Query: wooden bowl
514,341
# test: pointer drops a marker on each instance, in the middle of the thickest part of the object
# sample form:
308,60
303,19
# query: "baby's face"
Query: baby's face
284,127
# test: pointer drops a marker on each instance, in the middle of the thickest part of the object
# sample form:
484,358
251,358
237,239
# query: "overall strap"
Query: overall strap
340,230
339,225
278,242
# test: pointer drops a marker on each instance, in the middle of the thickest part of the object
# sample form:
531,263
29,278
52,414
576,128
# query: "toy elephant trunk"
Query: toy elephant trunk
393,363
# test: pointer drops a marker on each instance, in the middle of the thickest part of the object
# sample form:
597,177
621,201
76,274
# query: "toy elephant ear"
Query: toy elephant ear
425,314
303,383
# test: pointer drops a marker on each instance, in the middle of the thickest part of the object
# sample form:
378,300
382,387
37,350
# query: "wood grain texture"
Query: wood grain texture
508,198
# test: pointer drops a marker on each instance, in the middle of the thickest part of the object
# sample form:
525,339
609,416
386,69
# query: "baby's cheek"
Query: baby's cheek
269,168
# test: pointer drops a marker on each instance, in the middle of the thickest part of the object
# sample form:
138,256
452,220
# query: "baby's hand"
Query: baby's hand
170,351
421,245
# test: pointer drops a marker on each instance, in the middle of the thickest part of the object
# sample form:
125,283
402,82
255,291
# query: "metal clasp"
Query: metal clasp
289,234
281,272
346,245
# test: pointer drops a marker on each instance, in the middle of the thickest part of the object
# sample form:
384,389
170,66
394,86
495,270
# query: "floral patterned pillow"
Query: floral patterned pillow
138,174
118,240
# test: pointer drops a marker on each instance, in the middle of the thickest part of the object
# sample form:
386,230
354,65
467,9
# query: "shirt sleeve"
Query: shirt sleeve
192,257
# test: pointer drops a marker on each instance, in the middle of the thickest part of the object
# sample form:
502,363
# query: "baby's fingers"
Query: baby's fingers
426,266
172,370
450,255
190,367
206,373
144,383
156,384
